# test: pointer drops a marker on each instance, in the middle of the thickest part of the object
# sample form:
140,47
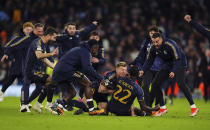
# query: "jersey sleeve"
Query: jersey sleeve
139,93
37,46
150,58
204,31
140,59
87,67
176,56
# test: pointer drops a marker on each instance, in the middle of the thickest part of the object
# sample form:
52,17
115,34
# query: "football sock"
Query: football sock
90,104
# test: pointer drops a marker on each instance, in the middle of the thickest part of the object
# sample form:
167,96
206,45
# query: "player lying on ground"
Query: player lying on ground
125,90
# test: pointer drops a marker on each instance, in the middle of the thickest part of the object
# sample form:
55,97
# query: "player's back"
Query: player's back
71,61
124,95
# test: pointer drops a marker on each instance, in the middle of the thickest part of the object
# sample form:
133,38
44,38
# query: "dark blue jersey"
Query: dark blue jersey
21,46
77,59
33,64
204,31
141,58
124,95
66,41
168,52
14,56
110,78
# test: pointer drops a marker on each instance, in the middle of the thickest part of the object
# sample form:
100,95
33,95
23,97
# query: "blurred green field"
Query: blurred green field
176,119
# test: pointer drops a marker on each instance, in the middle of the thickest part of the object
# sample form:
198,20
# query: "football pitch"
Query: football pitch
176,119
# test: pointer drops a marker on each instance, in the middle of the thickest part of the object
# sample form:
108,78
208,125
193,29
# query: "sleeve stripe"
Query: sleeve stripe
102,52
174,50
149,51
20,41
10,41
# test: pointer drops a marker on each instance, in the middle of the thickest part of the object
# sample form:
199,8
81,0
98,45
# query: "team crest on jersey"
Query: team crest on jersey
77,36
156,53
165,52
70,38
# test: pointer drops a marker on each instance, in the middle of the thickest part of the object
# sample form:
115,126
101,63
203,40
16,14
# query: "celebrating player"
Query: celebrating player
169,52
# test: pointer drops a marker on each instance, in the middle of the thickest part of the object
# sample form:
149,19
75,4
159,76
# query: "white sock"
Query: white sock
163,107
193,106
91,109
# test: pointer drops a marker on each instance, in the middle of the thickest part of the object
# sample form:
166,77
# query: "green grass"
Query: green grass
177,118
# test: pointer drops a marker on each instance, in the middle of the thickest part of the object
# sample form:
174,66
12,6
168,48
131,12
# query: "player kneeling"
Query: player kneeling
125,90
67,72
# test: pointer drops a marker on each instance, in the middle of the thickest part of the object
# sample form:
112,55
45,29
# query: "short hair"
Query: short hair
134,71
38,25
28,24
92,42
94,33
70,23
154,28
121,64
50,31
156,35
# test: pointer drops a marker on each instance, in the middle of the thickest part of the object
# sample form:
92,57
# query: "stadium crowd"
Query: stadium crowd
123,25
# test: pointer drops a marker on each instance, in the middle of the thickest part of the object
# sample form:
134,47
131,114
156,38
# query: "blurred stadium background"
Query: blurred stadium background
123,25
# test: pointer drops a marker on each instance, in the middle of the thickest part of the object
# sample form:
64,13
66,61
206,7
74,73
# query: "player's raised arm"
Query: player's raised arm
88,28
200,28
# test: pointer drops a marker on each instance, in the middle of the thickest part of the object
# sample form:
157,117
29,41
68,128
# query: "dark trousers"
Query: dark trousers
206,85
166,87
162,76
147,79
9,80
39,81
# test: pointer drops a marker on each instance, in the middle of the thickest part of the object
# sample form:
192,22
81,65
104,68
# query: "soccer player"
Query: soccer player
124,93
204,31
34,69
101,98
69,71
21,46
150,74
15,70
98,59
71,37
169,52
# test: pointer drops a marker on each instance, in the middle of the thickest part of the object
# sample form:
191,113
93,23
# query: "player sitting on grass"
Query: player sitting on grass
101,98
125,90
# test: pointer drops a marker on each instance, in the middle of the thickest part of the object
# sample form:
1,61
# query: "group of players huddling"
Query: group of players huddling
159,60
